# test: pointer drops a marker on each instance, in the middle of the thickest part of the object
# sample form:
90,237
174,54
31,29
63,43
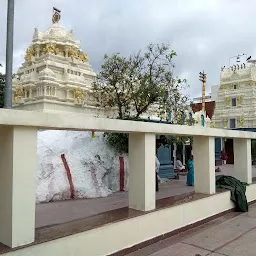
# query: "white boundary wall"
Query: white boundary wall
134,230
18,140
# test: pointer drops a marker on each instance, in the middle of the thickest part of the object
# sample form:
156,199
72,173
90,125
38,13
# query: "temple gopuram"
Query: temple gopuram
56,75
235,103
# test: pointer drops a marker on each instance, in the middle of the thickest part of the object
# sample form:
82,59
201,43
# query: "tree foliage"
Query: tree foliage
2,84
143,81
140,83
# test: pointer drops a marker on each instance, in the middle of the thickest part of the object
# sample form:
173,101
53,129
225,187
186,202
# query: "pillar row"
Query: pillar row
17,185
204,164
243,160
142,175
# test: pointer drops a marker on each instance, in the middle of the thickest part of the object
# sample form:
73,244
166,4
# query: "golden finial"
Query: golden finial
56,15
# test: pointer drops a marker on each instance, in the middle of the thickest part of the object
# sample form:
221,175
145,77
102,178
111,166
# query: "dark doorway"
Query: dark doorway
230,151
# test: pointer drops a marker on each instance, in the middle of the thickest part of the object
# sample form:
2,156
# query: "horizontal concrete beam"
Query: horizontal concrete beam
80,122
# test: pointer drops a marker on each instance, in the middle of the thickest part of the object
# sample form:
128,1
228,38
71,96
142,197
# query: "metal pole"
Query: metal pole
9,55
202,78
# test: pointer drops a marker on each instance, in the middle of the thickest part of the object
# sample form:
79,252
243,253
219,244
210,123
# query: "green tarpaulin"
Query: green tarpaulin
237,189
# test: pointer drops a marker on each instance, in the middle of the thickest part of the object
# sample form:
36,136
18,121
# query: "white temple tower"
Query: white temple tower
56,75
236,99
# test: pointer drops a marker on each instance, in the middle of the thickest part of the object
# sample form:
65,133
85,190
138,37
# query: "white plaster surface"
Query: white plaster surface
136,229
93,164
204,164
17,185
69,121
142,186
243,160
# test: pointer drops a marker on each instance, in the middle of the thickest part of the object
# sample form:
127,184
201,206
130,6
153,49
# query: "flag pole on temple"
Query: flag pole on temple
202,78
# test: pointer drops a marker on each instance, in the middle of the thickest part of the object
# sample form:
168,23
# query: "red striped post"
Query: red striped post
71,185
121,161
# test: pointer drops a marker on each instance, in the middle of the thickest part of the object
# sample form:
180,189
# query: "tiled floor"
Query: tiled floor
234,237
218,237
66,211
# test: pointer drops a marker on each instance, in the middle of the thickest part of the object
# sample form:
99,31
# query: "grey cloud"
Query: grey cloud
204,33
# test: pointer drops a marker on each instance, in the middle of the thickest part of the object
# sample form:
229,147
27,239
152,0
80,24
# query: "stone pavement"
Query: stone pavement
232,235
70,210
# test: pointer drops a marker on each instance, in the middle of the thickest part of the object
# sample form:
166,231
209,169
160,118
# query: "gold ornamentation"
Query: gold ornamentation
239,100
73,52
225,123
241,121
30,52
212,124
59,51
224,87
227,101
53,49
79,94
19,93
83,57
49,48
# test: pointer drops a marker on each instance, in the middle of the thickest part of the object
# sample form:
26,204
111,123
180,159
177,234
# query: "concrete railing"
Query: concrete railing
18,144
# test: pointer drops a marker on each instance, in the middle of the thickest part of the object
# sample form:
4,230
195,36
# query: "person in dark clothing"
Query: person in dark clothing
157,170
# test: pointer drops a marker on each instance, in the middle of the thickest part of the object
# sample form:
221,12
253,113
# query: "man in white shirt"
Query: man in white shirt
179,165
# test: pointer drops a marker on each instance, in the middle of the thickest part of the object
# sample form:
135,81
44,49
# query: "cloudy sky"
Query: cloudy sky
204,33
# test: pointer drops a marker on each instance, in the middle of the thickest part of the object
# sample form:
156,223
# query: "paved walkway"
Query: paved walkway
230,235
70,210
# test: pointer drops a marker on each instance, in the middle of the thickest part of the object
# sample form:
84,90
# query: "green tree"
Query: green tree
2,84
138,83
132,85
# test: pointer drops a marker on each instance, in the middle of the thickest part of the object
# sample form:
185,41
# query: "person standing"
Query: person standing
224,156
157,170
179,166
190,174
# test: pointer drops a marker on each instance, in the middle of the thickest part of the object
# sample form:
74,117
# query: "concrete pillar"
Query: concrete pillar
243,160
204,164
17,185
142,175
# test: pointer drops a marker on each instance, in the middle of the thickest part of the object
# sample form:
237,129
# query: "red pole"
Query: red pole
71,185
121,161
